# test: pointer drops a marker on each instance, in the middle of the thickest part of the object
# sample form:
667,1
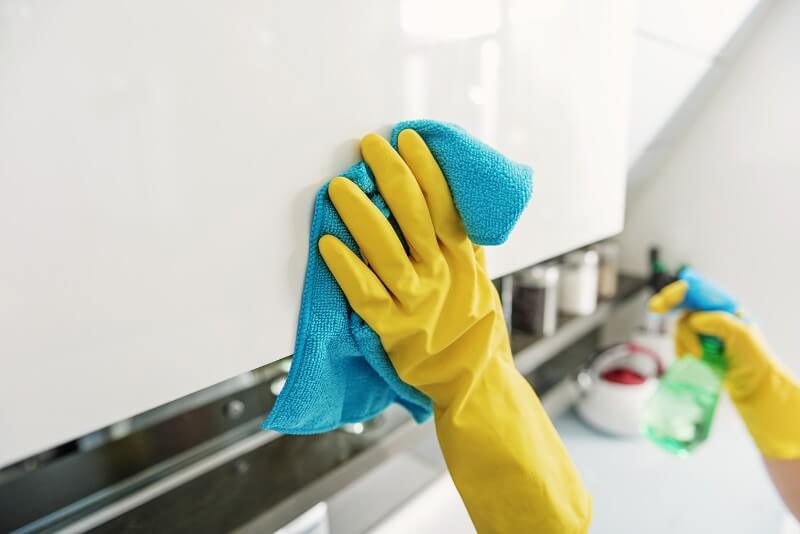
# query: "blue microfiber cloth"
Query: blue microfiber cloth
340,372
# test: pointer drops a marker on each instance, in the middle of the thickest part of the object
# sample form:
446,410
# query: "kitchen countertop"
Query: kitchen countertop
637,488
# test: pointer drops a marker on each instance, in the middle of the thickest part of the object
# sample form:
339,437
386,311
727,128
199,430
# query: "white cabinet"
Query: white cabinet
701,26
679,50
159,160
663,78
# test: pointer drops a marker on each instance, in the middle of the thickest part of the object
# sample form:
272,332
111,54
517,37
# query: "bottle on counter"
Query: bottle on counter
659,276
655,332
535,309
608,253
678,417
577,293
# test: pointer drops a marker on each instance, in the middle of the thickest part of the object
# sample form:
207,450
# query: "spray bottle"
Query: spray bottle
679,415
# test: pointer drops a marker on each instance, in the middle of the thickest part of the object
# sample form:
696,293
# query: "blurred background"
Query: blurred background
158,167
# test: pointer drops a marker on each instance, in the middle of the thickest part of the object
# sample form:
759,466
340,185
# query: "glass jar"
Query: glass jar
535,309
608,269
577,293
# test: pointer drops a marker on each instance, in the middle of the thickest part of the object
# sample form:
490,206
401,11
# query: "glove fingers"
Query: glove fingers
686,340
740,345
362,288
403,195
446,220
720,324
374,234
669,297
748,361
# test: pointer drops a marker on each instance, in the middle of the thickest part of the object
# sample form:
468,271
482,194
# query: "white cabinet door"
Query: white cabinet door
699,26
566,81
663,77
158,162
678,45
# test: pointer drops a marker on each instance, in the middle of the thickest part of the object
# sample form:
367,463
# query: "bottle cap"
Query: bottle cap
545,275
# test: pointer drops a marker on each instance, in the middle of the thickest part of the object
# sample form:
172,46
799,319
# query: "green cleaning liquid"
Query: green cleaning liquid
678,416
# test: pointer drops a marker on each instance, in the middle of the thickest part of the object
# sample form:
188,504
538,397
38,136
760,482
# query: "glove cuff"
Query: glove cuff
771,415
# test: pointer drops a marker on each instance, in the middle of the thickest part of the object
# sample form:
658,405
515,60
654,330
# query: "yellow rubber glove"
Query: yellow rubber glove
765,394
440,320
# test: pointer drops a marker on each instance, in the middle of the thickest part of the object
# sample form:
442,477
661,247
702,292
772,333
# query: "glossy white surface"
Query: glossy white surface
663,77
680,50
159,161
702,27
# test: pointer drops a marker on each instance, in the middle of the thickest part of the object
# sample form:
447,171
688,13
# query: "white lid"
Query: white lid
607,249
544,275
581,257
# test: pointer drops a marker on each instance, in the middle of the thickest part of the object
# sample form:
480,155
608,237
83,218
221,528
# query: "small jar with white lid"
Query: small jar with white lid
577,291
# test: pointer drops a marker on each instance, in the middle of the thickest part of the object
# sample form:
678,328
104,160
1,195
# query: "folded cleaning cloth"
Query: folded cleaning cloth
340,372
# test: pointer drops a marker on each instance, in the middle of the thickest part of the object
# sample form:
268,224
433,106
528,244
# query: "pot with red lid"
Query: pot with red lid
615,387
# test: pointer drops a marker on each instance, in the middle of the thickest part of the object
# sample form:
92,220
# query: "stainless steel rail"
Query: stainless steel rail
170,467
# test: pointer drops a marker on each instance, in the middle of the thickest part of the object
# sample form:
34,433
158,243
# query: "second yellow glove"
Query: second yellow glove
765,394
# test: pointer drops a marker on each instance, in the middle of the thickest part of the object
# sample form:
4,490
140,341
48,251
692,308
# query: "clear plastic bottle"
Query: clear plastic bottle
678,417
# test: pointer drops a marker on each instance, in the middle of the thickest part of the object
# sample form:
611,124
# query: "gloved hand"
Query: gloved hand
692,292
765,394
440,320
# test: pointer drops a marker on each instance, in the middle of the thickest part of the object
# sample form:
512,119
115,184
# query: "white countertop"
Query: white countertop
637,488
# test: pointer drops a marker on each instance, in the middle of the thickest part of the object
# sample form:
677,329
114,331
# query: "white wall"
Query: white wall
727,200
